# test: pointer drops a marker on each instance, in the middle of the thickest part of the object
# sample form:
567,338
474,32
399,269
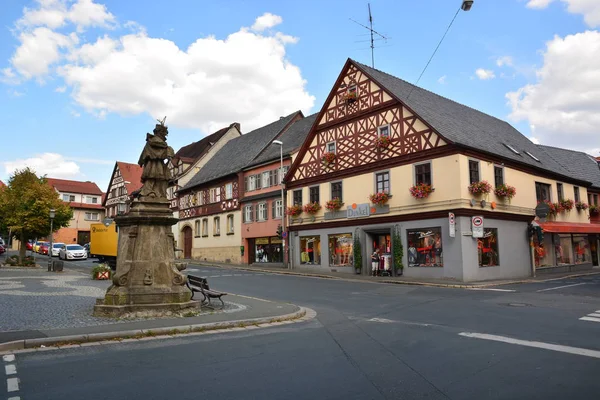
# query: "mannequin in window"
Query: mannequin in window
375,262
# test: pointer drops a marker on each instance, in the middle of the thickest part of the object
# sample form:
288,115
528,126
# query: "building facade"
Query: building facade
126,178
85,198
445,173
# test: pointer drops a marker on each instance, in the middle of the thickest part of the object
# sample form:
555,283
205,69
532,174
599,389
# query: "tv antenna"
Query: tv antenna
372,31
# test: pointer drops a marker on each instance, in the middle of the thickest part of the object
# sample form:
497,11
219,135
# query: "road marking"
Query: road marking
540,345
382,320
591,319
492,289
12,384
8,358
10,369
562,287
594,315
14,398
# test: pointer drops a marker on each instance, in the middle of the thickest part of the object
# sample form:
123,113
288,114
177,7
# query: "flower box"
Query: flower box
328,158
567,204
580,206
312,208
482,187
505,191
294,211
594,210
421,190
379,198
334,204
350,97
383,142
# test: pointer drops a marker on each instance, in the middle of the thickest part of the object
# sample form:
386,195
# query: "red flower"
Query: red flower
379,198
334,204
421,190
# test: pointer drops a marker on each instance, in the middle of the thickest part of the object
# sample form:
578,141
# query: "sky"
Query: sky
82,81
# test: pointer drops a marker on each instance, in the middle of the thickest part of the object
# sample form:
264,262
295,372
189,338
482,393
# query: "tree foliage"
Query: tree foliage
25,205
397,250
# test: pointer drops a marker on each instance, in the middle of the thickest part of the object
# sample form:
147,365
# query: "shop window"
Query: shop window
382,182
248,213
336,190
425,247
423,173
542,192
473,171
498,176
576,193
297,197
310,250
340,250
205,227
314,194
560,191
581,245
563,248
230,224
487,248
217,226
268,250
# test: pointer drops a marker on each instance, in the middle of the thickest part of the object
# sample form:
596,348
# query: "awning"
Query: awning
569,227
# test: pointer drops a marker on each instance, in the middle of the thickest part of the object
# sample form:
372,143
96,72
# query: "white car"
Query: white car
72,252
56,248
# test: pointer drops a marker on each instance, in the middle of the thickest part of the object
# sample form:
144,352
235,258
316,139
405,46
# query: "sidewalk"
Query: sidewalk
399,280
58,309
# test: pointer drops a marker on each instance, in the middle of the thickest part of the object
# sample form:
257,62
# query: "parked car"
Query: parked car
2,243
72,252
29,245
36,246
2,249
56,248
44,248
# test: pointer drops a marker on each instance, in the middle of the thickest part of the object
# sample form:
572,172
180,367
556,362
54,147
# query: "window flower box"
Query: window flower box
555,208
383,142
580,206
567,204
328,158
379,198
294,211
481,187
421,190
334,204
594,210
312,208
505,191
350,96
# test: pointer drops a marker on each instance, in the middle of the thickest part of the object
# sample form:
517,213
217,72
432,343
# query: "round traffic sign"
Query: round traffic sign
284,235
477,221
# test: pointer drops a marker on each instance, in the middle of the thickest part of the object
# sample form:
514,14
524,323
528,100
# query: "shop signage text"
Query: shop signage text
361,210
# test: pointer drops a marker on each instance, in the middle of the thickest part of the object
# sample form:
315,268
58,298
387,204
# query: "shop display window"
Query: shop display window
544,252
340,250
310,250
487,248
268,250
563,248
425,247
581,245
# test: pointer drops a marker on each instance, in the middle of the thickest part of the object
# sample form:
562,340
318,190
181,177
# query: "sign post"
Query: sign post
452,224
477,226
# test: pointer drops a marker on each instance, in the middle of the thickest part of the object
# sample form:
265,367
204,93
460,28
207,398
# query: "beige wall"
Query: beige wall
215,248
80,223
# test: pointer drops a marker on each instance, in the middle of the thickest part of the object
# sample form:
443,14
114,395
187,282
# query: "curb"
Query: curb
387,281
303,314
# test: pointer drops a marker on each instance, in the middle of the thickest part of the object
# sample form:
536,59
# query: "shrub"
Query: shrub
101,268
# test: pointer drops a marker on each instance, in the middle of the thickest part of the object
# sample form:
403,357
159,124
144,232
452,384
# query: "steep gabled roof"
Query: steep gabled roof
132,175
238,152
68,186
464,125
580,165
292,139
197,149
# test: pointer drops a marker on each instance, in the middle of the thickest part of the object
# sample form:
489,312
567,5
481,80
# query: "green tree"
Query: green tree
25,205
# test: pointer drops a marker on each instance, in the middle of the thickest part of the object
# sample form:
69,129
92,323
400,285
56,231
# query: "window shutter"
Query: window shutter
245,184
256,215
258,182
273,208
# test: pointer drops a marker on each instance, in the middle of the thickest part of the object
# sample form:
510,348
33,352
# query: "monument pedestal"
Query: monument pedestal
147,278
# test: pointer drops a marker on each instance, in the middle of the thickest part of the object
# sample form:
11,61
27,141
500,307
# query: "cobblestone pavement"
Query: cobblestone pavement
37,300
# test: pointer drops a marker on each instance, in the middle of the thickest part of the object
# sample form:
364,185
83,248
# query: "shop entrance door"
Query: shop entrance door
187,242
251,251
83,237
594,243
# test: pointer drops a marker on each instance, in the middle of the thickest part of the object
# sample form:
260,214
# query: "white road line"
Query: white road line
540,345
8,358
10,369
14,398
562,287
12,384
591,319
593,315
492,289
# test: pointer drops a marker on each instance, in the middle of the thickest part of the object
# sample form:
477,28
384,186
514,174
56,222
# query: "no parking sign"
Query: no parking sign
477,226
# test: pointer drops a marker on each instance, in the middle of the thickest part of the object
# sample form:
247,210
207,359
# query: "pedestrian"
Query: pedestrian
375,261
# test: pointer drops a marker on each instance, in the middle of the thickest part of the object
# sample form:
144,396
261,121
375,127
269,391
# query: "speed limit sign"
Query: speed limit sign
477,226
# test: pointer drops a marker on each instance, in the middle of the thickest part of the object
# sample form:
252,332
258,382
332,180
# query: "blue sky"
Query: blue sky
83,81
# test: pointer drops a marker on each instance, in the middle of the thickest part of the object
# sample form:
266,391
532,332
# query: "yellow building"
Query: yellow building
443,175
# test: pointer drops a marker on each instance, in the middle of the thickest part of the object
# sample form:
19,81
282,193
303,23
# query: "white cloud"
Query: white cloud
75,114
51,164
15,93
485,74
535,140
564,104
590,9
85,13
504,61
266,21
244,77
60,89
56,13
442,79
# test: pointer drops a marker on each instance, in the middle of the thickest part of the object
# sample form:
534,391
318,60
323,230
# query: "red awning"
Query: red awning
569,227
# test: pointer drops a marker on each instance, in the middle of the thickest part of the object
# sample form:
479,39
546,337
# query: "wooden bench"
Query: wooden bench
198,284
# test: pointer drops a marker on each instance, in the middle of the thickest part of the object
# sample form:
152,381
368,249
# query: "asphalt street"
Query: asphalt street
368,341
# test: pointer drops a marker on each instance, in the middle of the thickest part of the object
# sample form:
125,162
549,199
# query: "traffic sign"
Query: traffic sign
477,226
284,235
452,224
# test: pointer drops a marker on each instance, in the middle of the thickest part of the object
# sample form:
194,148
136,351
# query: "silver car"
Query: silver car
72,252
56,248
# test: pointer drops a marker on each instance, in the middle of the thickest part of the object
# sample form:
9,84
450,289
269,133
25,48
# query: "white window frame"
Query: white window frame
389,192
92,216
334,147
263,213
197,227
380,128
265,180
229,191
91,199
216,226
230,225
248,213
278,208
251,183
204,227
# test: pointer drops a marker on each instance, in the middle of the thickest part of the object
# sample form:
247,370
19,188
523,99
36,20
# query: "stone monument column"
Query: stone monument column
147,278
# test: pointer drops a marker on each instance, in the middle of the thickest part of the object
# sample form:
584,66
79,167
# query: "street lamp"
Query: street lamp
52,215
280,144
466,5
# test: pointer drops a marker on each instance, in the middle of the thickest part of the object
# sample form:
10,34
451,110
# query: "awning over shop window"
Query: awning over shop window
569,227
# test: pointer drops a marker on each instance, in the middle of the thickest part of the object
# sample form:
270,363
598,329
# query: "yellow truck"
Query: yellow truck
103,243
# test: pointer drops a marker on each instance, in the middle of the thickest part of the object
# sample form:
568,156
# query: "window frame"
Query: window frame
230,226
501,169
389,181
197,227
545,186
560,191
380,128
331,190
262,179
294,202
278,209
204,227
576,194
91,214
476,163
248,208
415,166
310,194
228,191
216,226
327,150
262,206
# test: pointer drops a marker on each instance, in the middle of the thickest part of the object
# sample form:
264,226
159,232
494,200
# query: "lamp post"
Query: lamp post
52,215
280,144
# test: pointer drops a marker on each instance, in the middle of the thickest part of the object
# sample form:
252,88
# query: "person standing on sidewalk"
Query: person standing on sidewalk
375,261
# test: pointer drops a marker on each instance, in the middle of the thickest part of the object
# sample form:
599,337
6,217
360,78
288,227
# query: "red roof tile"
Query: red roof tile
74,204
132,175
68,186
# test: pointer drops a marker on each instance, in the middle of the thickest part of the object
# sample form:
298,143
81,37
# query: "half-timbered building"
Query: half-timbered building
125,179
412,168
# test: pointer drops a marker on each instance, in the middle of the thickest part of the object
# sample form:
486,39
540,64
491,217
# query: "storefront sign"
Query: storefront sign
477,226
452,224
261,241
358,210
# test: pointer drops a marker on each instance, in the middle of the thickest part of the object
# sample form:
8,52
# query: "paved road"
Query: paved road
369,341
